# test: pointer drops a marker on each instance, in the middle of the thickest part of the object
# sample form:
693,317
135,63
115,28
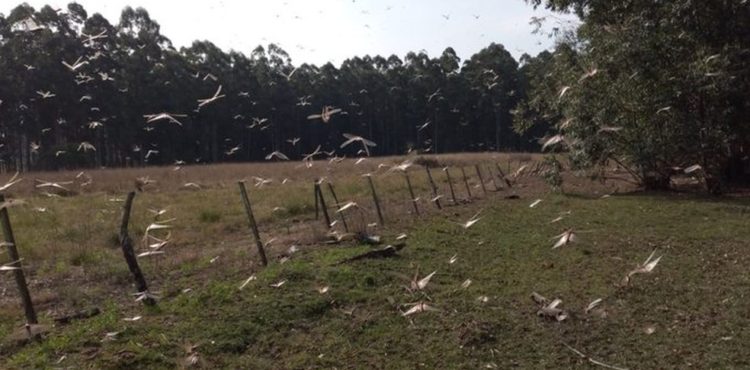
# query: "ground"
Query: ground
690,311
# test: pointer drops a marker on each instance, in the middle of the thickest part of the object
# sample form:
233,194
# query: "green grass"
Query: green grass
210,217
695,298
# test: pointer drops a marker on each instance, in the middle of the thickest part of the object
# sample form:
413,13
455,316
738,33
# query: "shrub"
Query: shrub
552,173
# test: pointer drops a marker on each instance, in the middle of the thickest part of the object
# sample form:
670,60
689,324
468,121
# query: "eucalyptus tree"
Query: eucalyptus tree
493,74
534,115
69,78
654,86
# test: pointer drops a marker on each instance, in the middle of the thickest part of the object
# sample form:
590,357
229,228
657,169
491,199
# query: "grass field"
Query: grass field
690,311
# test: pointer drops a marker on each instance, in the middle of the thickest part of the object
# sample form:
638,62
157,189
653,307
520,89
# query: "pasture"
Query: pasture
307,309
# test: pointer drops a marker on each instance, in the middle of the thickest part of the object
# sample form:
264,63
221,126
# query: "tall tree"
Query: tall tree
653,86
77,91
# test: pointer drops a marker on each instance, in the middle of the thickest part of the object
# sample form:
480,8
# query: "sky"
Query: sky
319,31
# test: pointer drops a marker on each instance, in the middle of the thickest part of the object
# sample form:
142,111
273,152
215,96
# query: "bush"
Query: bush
553,173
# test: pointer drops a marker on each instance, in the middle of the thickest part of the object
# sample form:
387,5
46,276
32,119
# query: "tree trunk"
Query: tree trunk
656,181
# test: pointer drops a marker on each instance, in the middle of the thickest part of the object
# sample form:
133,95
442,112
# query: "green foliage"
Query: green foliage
384,96
552,173
650,85
532,114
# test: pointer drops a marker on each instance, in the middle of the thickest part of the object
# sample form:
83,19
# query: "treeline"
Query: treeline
89,111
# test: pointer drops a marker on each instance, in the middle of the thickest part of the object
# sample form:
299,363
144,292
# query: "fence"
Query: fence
374,210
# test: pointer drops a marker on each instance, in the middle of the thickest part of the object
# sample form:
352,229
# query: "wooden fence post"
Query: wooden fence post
375,198
450,185
481,180
323,206
127,251
494,178
338,207
466,182
253,225
435,196
10,243
317,200
541,166
411,193
500,170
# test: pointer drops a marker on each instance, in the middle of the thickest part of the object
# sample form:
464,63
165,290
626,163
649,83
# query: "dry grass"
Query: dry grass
69,244
169,179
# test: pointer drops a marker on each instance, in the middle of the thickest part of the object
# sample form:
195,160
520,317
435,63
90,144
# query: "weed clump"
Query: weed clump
209,217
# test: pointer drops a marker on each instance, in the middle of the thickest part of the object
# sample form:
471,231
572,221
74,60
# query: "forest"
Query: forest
69,78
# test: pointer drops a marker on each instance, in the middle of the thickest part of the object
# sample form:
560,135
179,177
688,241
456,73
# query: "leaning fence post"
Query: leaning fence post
323,206
375,198
532,169
481,179
493,177
500,170
466,182
127,251
338,206
435,196
539,167
411,193
450,185
10,243
253,224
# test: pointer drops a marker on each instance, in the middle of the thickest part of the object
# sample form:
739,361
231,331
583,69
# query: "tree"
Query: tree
115,76
652,86
493,74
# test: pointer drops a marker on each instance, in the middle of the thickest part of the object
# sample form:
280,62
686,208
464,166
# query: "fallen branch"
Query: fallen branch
85,314
388,251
